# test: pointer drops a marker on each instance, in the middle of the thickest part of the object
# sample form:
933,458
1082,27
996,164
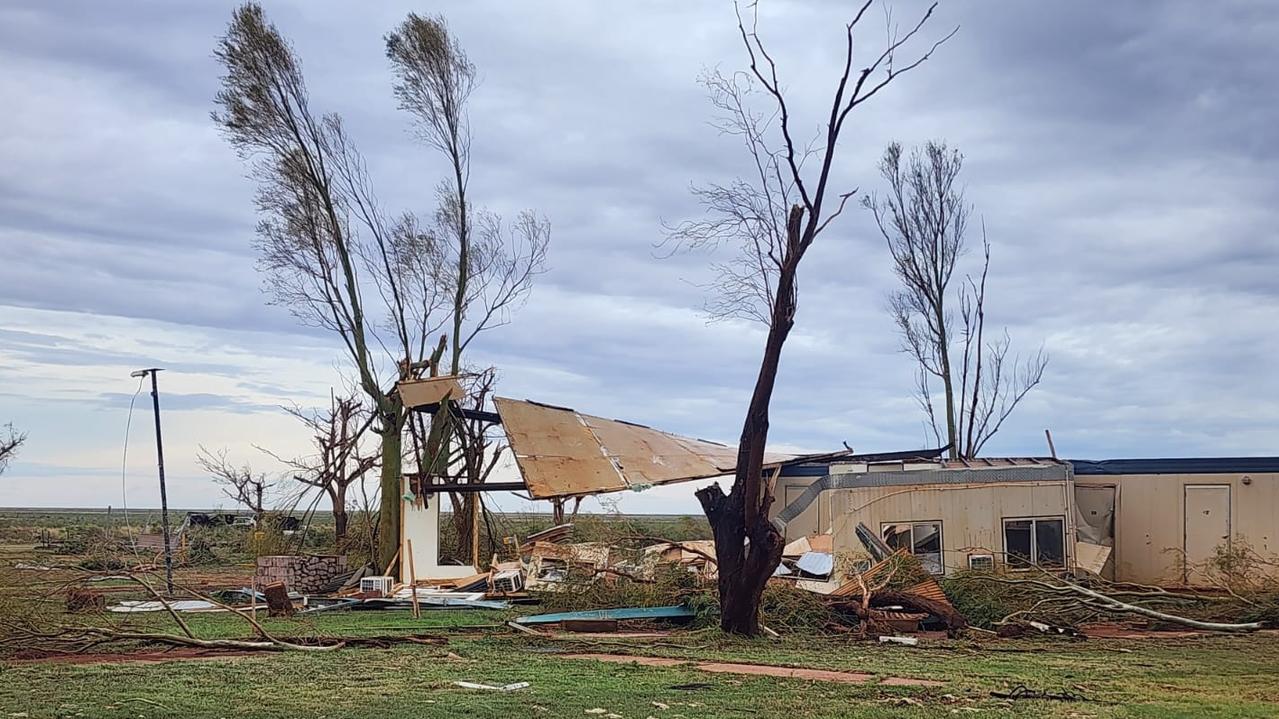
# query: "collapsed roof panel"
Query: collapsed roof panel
561,452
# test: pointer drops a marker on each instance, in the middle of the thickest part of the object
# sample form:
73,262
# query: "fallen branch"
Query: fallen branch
1071,594
624,575
1118,606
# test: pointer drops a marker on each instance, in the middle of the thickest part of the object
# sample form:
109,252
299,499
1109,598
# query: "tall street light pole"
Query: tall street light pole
159,455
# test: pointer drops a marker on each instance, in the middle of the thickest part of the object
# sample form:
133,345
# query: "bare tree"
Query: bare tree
323,241
773,216
559,515
492,266
924,218
241,484
9,445
338,459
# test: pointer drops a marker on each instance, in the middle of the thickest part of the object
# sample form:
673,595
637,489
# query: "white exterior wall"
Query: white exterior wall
421,526
1150,523
971,515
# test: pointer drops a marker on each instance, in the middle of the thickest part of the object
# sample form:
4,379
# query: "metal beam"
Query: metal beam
464,413
465,488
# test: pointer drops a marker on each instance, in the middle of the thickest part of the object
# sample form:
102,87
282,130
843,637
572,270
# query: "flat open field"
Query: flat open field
1174,675
1184,677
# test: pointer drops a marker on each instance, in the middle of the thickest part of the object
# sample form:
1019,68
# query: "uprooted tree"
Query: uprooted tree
772,216
923,217
326,245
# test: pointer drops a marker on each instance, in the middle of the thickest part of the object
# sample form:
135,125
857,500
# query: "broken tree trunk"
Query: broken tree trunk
748,547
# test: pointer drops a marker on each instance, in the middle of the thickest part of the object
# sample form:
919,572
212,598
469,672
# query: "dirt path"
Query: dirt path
821,675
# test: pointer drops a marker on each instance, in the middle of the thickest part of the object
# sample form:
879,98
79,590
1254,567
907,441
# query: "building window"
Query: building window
922,539
1036,541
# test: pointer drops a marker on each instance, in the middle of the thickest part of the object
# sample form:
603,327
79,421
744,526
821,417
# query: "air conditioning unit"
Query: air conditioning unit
379,586
981,562
508,581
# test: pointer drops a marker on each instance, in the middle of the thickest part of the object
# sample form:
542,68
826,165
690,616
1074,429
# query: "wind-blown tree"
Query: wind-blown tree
328,248
924,219
492,266
9,445
323,240
772,215
240,484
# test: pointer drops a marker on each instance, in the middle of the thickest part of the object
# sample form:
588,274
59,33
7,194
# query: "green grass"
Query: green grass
1205,677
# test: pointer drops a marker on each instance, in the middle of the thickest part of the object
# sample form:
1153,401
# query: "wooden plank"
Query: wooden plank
417,610
429,390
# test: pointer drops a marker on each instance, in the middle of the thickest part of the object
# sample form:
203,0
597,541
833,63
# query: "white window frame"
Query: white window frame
984,557
1034,542
941,536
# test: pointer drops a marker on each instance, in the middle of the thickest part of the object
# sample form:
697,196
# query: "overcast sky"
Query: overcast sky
1122,156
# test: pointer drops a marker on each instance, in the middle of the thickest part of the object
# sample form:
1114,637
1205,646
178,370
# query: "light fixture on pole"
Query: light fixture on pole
159,454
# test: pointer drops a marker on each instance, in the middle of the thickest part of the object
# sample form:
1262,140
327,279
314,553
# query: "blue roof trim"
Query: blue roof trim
1176,465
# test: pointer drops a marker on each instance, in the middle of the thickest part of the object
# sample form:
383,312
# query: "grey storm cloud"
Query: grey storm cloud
1122,157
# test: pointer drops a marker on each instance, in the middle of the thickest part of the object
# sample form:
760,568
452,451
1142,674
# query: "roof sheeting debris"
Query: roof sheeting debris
562,452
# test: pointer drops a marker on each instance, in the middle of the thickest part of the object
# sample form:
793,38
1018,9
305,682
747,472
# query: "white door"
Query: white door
1207,526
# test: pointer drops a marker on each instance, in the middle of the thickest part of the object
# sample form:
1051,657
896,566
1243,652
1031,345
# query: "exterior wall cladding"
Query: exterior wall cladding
1165,522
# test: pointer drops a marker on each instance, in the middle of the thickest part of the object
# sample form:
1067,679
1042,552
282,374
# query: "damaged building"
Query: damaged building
1152,521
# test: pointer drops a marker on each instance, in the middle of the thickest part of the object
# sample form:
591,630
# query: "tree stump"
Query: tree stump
278,603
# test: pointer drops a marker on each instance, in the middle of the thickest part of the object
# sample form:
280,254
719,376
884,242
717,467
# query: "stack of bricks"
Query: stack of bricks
304,573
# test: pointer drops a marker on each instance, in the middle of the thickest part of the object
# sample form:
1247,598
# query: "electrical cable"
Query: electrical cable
124,464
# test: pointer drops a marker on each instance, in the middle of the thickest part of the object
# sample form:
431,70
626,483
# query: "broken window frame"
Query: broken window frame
1019,562
937,567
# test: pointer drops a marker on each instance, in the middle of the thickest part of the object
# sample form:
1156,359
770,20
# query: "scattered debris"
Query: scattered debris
491,687
1023,692
768,670
907,641
677,611
555,535
85,600
816,564
178,605
589,625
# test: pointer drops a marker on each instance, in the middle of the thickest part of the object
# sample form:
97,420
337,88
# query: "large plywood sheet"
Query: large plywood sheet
561,452
1092,557
429,390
